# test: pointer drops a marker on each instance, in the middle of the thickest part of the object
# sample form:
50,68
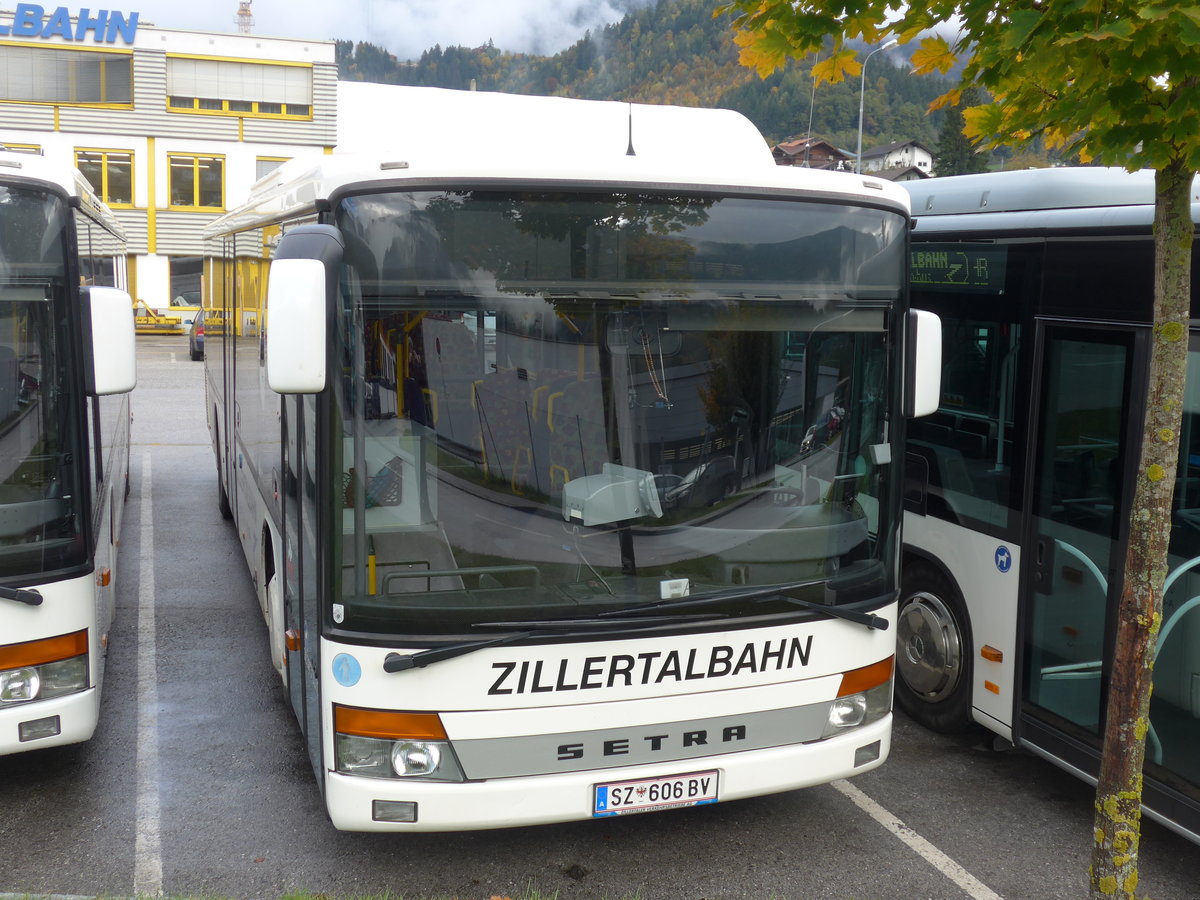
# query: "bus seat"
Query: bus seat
947,468
10,381
451,362
504,406
578,439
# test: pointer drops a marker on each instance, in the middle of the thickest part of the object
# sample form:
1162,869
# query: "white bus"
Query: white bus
564,463
66,367
1019,486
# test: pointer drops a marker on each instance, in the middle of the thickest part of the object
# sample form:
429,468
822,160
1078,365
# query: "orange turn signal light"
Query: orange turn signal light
858,680
46,650
990,653
382,723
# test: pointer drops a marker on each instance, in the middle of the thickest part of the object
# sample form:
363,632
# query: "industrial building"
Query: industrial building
172,127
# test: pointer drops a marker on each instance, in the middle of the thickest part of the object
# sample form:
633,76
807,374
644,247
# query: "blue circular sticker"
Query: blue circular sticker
346,670
1003,558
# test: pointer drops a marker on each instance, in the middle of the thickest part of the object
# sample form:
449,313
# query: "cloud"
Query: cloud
405,27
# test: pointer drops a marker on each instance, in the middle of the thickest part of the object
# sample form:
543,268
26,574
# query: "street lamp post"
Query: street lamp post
862,95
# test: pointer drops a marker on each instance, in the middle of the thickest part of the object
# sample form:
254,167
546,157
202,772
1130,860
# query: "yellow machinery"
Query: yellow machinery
148,321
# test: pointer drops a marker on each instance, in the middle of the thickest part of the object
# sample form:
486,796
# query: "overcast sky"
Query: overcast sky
405,27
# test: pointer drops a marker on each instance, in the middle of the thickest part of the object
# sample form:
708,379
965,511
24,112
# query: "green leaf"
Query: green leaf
1022,24
764,51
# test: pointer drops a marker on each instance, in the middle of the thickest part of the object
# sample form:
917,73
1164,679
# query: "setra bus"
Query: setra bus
66,367
564,466
1019,486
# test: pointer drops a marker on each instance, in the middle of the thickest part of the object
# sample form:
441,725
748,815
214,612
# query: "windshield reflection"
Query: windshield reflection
39,530
608,404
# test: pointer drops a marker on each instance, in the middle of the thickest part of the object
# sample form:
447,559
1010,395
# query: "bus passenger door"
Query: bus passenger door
1076,548
300,568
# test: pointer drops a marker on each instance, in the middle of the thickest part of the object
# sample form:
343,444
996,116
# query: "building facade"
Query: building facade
813,153
171,127
901,154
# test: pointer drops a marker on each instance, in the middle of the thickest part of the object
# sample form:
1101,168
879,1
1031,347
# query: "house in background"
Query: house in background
898,155
812,153
902,173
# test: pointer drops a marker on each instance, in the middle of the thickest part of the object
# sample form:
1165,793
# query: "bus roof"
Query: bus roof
1058,198
15,165
428,134
34,166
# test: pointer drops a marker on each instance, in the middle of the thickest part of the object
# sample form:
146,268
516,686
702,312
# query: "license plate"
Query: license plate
620,798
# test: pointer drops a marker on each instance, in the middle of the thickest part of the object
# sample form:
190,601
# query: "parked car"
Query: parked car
708,483
196,337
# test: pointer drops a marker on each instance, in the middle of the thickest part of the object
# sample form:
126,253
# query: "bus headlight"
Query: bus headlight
864,697
415,758
39,670
63,677
386,744
846,712
19,685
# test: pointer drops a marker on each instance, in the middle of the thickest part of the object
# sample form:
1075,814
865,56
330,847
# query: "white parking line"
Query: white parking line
973,887
147,853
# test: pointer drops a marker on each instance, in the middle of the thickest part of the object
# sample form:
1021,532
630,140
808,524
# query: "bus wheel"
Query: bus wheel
223,500
933,652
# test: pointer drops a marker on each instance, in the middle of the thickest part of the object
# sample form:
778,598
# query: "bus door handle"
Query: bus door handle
1043,564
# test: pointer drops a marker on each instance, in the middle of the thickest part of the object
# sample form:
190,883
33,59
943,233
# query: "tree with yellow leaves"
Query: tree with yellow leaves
1117,82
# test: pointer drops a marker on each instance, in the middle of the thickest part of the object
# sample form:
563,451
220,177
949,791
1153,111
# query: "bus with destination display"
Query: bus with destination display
1018,487
567,474
66,367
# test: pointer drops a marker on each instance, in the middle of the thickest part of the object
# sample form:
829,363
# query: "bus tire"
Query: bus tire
933,656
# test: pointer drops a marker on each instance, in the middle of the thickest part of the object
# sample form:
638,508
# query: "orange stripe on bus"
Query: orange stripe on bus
46,650
381,723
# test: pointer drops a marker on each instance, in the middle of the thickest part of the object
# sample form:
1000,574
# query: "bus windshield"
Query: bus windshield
555,405
40,529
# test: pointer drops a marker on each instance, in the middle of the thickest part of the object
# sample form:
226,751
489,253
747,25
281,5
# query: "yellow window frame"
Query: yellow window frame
102,189
193,103
173,160
10,146
108,56
253,113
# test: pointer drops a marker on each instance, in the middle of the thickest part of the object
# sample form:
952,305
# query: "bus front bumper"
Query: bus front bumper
49,723
566,797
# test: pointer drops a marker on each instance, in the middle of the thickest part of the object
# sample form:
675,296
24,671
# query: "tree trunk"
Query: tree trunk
1114,870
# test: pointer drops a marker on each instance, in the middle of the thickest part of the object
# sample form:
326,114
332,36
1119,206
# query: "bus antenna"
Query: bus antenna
629,151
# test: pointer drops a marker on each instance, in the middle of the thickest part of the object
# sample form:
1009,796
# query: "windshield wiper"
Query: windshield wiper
554,626
399,662
755,595
21,595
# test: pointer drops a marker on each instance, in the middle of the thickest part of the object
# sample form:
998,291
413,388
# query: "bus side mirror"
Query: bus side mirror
922,363
296,317
113,367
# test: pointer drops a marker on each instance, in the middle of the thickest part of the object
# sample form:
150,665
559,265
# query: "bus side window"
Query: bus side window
966,446
10,381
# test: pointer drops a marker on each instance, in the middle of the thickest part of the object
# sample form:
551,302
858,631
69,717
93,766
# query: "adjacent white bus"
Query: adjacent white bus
66,367
567,465
1019,486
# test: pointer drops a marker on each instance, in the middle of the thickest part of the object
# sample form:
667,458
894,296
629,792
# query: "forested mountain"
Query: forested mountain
674,51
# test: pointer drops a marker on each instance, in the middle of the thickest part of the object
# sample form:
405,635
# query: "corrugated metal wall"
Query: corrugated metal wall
150,116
